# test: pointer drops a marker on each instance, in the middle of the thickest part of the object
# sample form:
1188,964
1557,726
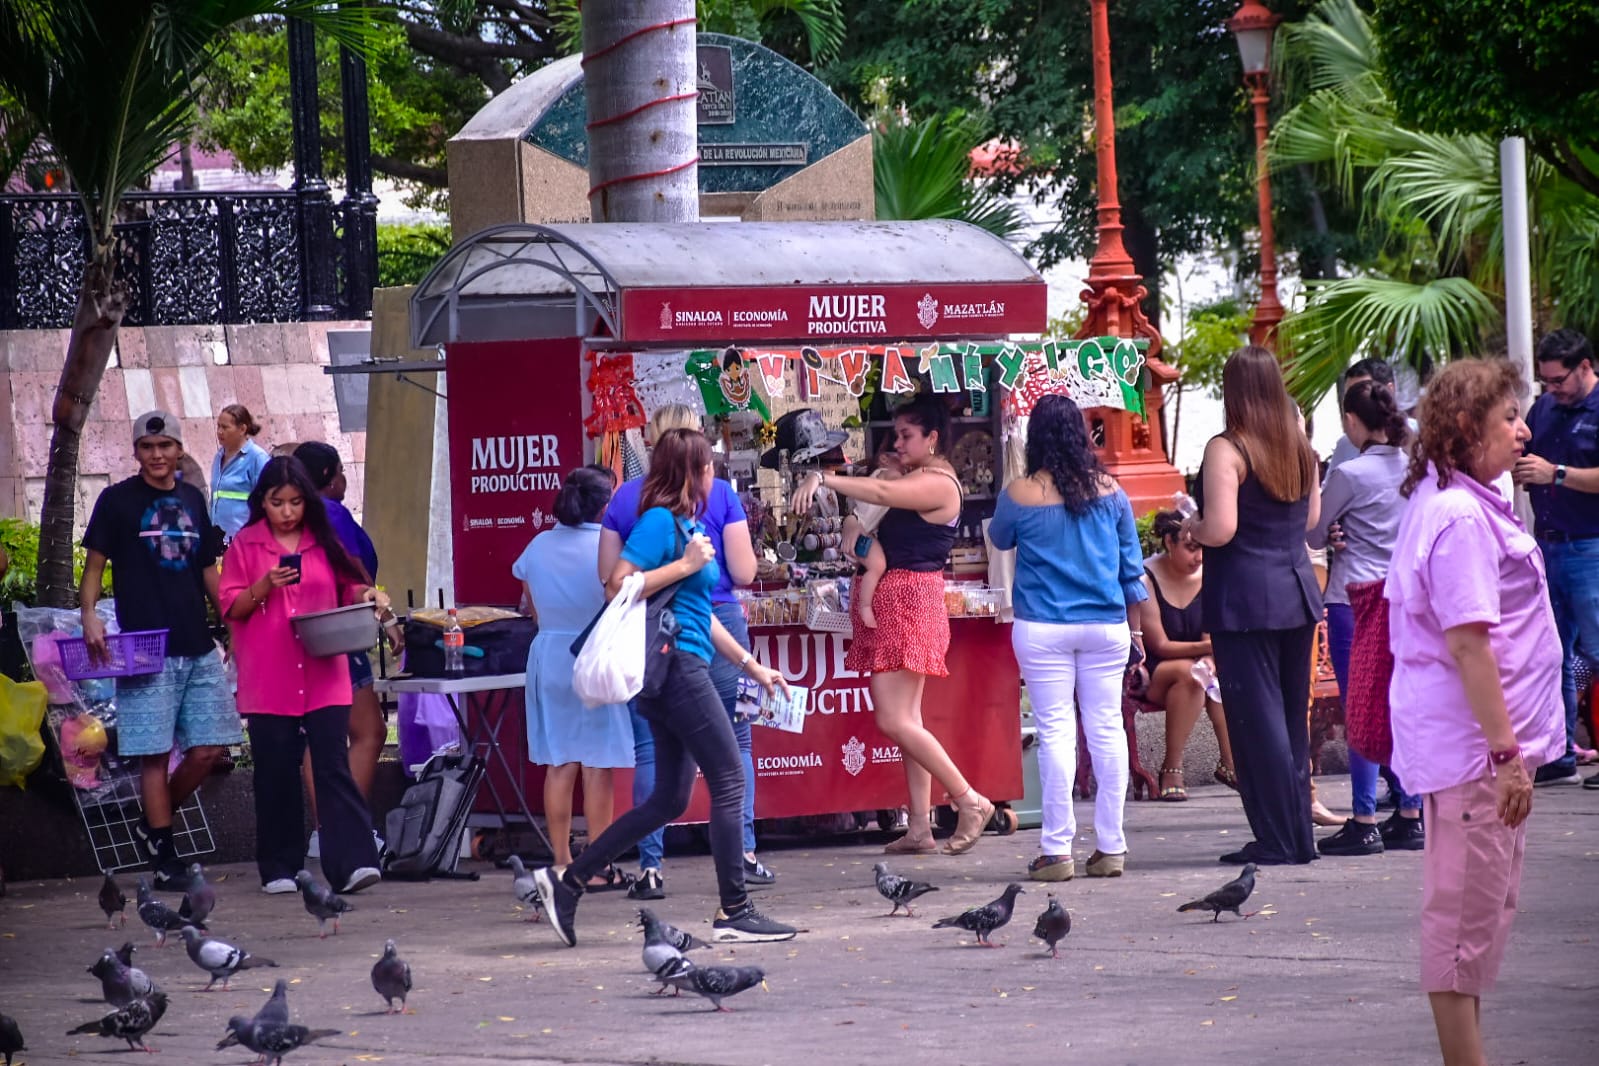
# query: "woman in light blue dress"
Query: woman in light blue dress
562,592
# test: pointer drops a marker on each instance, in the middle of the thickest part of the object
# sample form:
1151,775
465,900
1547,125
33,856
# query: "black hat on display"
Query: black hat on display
805,436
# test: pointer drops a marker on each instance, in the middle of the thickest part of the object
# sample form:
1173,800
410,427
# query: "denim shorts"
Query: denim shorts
188,702
360,670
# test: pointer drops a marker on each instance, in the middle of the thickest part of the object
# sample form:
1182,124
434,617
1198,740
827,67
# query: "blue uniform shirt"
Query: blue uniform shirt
1565,436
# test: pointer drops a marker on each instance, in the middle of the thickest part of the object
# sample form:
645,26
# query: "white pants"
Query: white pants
1067,667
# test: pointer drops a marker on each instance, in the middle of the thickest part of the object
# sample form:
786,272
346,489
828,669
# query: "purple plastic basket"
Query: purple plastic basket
130,654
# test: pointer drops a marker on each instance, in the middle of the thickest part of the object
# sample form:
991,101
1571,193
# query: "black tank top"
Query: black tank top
911,542
1180,623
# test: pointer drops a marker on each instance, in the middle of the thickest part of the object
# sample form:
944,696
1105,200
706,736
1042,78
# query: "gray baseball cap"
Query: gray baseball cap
157,424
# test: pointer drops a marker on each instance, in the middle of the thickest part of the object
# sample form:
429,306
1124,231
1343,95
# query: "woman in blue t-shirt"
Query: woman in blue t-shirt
669,547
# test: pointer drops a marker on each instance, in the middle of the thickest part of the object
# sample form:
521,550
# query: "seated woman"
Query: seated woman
1175,643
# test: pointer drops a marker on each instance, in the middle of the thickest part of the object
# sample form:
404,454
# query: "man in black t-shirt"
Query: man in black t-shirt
158,536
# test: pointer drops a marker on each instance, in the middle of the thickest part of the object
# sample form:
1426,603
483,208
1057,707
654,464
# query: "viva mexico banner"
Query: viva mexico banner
1093,371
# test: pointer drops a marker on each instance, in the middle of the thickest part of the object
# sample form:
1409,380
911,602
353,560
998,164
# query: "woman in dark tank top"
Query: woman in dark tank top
1258,496
1175,640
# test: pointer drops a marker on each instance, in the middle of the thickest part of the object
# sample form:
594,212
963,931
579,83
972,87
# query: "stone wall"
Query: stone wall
274,369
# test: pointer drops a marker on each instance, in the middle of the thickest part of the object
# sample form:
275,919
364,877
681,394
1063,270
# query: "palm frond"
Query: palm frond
1449,182
822,20
923,170
1332,49
1354,317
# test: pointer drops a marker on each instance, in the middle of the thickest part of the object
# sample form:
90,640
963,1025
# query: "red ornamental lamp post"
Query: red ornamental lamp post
1253,26
1130,446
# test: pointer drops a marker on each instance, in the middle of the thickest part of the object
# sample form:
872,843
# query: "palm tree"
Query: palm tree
1433,199
109,86
924,170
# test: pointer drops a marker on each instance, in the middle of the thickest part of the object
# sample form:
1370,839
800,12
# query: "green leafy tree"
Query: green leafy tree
110,86
1431,201
1498,67
1184,147
407,252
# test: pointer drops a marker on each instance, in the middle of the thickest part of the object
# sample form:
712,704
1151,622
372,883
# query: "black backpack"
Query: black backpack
425,832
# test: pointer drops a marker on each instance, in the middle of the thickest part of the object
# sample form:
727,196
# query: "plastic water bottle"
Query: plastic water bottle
1184,505
1205,674
454,645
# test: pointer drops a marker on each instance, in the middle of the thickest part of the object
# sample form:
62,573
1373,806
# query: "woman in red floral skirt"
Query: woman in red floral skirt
912,633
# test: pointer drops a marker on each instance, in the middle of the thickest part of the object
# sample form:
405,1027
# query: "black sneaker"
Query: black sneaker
647,886
1403,834
169,875
749,926
1563,772
1592,781
560,904
757,874
1355,838
141,834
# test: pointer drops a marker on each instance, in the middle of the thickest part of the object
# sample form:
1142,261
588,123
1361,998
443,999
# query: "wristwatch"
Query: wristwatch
1499,758
1560,474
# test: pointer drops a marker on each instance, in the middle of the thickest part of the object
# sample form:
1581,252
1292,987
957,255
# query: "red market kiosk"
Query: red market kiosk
518,307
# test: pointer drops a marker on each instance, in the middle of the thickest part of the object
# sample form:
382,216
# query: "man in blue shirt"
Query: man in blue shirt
1561,474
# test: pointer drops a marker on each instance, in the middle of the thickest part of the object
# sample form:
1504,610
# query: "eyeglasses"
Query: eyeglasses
1555,383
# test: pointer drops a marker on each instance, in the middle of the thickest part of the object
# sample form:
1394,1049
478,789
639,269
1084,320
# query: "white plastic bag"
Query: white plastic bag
610,668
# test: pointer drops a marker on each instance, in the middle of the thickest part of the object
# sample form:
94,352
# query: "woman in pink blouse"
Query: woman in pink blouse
287,561
1476,686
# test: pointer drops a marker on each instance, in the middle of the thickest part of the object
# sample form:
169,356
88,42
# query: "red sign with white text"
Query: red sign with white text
516,428
884,312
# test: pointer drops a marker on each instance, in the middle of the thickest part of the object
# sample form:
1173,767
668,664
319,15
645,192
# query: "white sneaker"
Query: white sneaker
365,877
313,847
279,887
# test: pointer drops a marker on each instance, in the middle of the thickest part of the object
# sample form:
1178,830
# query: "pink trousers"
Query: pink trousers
1471,877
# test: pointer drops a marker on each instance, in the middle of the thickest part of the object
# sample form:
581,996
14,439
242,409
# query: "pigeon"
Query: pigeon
526,889
129,1023
218,958
391,976
276,1008
900,891
715,983
124,954
119,983
10,1037
158,916
271,1040
321,903
199,899
113,902
1053,925
985,919
1229,897
664,946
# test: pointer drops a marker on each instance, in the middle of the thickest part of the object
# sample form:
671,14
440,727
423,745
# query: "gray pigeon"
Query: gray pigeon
985,919
120,984
391,976
124,954
275,1011
715,983
664,946
1229,897
199,899
321,903
1053,925
218,958
113,902
10,1037
525,888
670,933
158,916
271,1040
900,891
129,1023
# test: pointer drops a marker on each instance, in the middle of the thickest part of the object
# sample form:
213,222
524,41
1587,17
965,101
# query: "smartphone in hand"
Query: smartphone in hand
291,560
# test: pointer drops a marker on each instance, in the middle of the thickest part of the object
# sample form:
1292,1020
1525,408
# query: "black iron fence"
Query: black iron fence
193,258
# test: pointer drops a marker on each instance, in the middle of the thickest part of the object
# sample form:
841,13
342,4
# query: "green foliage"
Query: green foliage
1498,67
416,103
1147,541
21,543
923,170
1212,333
407,252
817,25
112,84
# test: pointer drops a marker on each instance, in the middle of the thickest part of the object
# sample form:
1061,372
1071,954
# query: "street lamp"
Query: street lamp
1254,25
